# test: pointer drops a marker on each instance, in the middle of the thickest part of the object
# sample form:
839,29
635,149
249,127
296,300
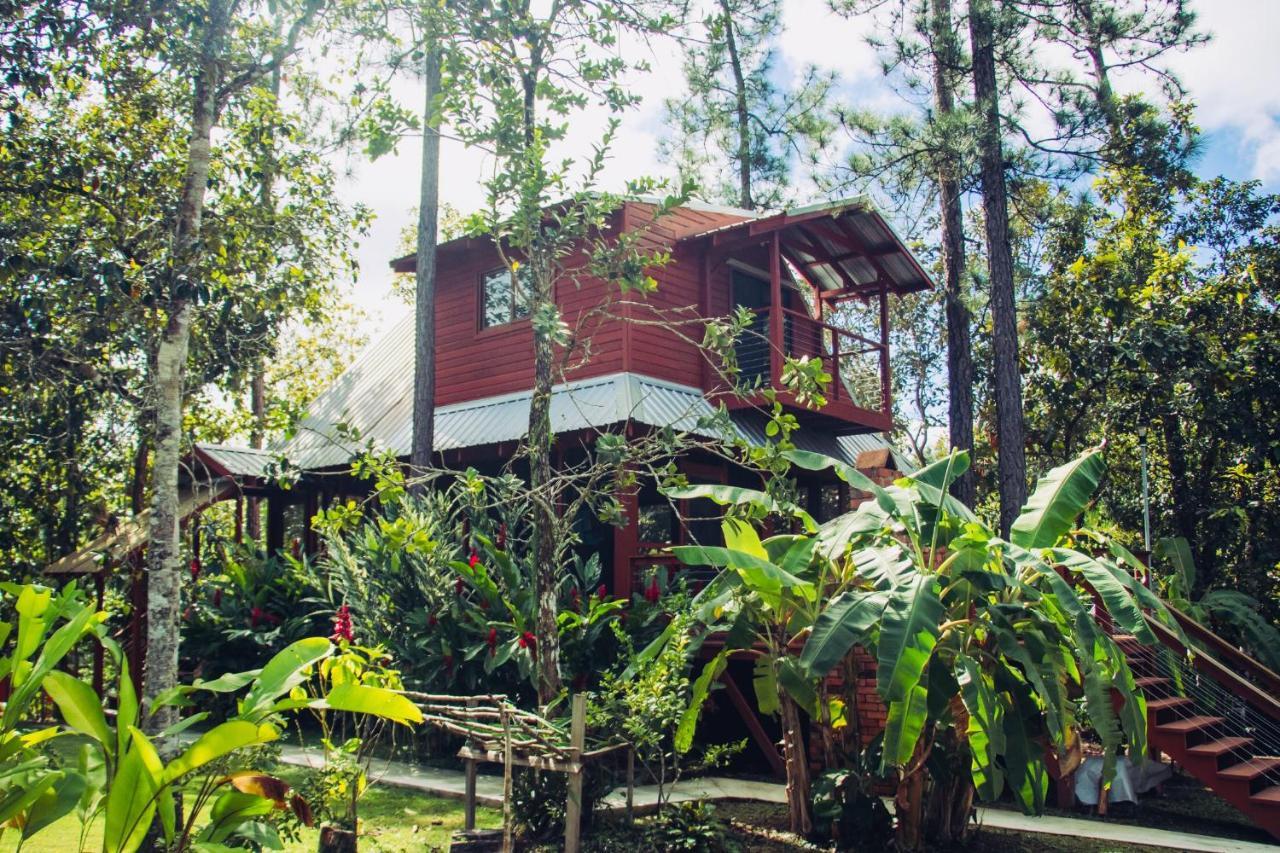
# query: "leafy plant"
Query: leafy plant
691,826
1230,608
848,812
46,627
990,638
138,786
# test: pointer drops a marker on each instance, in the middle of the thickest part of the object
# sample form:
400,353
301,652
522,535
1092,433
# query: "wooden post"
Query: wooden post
625,541
275,523
631,785
508,828
886,393
775,309
469,807
99,656
239,519
573,805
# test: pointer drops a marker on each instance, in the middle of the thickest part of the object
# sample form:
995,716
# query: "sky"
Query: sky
1234,80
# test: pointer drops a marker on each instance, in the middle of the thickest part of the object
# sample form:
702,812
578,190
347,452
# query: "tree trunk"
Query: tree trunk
1182,493
424,352
959,348
163,546
797,764
743,116
540,440
1012,465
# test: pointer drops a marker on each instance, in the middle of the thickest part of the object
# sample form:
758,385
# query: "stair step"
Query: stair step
1251,769
1149,681
1168,702
1267,797
1190,724
1221,747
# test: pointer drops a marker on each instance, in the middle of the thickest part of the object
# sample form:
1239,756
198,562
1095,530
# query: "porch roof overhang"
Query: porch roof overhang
845,248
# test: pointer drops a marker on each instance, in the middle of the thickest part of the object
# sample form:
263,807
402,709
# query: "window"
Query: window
504,298
657,523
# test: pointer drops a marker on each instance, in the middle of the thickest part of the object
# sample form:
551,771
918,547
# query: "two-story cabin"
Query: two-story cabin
818,280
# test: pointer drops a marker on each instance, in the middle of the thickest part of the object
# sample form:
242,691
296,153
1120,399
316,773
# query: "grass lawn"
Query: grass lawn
394,821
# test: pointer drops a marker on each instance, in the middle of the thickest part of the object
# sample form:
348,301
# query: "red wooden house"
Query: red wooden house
794,270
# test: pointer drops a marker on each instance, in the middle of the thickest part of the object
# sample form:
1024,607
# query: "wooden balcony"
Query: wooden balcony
858,395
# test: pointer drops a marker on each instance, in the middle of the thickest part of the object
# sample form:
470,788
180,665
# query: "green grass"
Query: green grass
393,820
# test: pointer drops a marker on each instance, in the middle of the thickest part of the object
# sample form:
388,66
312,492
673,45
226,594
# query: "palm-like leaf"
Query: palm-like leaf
1060,496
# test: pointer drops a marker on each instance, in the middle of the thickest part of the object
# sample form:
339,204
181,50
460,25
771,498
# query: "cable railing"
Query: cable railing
858,365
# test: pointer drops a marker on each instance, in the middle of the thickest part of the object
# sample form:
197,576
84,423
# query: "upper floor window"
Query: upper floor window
505,297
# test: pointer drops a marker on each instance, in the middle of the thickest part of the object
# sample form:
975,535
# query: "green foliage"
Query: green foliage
955,617
691,826
846,811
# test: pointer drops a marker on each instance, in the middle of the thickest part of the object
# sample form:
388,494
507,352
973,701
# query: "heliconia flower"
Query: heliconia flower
528,641
255,616
652,593
600,592
475,558
195,569
342,628
502,535
493,641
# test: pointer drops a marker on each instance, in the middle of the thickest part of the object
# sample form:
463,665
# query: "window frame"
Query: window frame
513,320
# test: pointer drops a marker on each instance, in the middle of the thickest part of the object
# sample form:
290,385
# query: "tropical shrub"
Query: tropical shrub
989,639
136,786
1230,610
446,581
45,627
244,606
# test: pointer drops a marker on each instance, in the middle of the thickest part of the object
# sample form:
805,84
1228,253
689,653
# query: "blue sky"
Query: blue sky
1235,81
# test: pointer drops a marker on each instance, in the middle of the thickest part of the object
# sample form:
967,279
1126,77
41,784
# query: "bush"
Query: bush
690,826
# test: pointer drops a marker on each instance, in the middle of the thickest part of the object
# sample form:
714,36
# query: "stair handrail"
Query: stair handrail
1255,695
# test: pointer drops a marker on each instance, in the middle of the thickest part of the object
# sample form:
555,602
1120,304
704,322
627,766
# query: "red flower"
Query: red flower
475,558
652,594
600,592
432,621
502,535
342,629
195,569
528,641
186,614
458,586
217,597
493,641
575,598
255,616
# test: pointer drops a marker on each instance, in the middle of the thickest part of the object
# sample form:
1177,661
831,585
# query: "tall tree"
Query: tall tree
1006,372
736,117
221,48
945,59
424,347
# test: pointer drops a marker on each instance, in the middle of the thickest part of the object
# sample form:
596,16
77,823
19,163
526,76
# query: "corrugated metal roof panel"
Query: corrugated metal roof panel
586,404
238,461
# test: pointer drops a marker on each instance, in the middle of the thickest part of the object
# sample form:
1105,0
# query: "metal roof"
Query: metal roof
840,246
228,460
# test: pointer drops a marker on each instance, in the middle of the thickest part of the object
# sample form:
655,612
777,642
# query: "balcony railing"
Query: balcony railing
859,366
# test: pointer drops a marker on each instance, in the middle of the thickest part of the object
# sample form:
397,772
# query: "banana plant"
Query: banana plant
47,626
1226,607
765,597
989,641
138,786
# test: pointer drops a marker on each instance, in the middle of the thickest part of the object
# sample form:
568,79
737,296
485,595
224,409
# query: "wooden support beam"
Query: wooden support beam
573,803
758,734
886,391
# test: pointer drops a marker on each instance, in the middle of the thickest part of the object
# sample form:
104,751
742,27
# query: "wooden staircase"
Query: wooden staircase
1215,711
